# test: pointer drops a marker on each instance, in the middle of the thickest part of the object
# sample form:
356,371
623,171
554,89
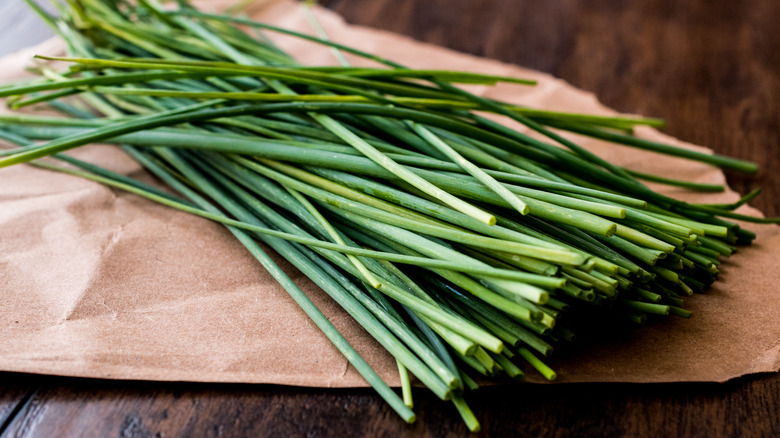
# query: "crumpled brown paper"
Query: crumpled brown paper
100,283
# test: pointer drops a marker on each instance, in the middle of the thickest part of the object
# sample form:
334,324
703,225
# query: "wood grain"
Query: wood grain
97,408
710,68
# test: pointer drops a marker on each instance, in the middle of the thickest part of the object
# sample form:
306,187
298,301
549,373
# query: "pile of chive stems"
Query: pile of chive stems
462,246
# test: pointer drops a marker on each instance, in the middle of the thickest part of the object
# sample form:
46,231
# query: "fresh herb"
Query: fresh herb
462,246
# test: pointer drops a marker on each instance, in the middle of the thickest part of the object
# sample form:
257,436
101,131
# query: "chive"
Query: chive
702,187
543,369
680,312
718,160
465,412
443,233
406,386
475,171
510,369
656,309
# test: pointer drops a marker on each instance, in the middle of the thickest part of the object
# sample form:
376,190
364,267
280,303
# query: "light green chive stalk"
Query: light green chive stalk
462,246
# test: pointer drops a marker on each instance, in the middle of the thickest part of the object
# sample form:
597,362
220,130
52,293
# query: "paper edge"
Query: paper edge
770,356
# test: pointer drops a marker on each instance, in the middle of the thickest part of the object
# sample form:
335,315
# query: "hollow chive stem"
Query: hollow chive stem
717,160
466,413
510,307
392,322
370,212
735,205
406,385
702,187
348,85
653,308
617,122
405,174
334,235
543,369
473,170
352,305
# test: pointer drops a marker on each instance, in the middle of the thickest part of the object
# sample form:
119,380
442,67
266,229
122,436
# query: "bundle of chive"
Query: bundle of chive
459,244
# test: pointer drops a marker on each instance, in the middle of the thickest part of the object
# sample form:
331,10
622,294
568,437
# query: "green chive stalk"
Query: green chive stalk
457,243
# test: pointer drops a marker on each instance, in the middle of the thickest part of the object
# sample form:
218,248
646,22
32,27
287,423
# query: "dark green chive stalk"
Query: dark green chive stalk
463,247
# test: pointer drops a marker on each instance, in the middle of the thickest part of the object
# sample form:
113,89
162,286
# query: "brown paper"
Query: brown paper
100,283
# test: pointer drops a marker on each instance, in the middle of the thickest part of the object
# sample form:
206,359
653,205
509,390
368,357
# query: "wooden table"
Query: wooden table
710,68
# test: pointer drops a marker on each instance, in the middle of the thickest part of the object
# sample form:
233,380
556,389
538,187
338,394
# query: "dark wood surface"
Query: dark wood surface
710,68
